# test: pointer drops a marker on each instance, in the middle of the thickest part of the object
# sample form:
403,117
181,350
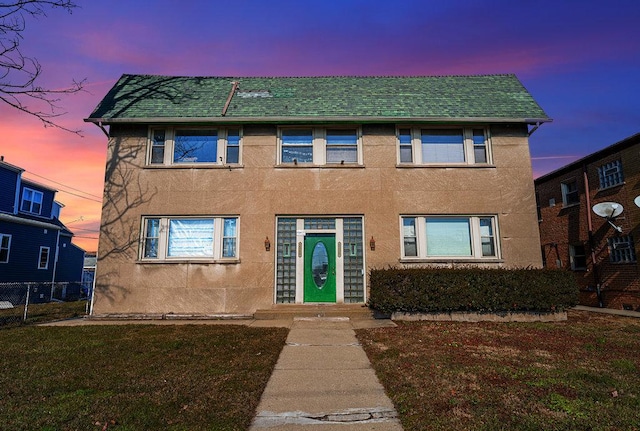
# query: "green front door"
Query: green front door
320,268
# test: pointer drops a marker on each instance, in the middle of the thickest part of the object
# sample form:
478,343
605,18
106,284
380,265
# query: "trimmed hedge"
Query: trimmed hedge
471,289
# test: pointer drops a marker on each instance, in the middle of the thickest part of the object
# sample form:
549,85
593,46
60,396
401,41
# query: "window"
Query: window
5,246
210,238
443,146
179,146
43,259
31,201
406,152
342,146
449,237
621,249
577,257
297,146
570,195
610,174
320,146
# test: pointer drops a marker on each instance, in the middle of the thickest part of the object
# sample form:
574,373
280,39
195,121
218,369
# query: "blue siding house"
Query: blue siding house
34,245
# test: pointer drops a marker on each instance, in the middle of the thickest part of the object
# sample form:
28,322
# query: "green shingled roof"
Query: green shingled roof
157,98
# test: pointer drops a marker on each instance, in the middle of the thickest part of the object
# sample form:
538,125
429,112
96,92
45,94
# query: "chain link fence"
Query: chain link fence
31,302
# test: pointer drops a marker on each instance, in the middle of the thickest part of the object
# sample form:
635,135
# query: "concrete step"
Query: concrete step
289,311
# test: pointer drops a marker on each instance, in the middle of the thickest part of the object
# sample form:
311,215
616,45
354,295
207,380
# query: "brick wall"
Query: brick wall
563,226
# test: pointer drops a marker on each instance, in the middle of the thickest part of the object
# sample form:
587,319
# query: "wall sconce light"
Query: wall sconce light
372,244
267,244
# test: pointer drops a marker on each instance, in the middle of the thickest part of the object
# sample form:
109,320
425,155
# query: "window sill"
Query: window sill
452,260
577,204
611,187
195,165
327,166
189,261
445,165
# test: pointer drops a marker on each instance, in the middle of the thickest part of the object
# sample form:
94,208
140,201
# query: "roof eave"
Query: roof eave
310,119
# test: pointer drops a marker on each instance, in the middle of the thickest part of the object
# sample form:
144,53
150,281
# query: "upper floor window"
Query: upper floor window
462,145
449,237
622,249
570,195
183,145
5,247
320,146
210,238
43,258
31,201
610,174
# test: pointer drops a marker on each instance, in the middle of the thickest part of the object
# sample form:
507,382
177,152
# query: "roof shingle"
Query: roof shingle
144,97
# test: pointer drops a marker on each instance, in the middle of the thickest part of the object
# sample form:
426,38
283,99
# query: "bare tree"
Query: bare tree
19,72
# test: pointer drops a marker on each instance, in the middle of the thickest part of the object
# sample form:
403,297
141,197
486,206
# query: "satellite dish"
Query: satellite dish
609,210
637,201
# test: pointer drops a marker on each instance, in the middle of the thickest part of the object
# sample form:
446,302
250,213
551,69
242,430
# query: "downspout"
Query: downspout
594,266
538,124
55,264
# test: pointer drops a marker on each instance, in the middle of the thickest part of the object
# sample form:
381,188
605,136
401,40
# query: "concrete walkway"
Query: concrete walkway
323,381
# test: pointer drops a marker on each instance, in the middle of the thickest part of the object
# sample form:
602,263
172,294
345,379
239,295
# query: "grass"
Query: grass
134,377
582,374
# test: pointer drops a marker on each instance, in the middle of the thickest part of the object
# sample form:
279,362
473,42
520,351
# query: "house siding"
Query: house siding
25,250
8,184
260,191
561,227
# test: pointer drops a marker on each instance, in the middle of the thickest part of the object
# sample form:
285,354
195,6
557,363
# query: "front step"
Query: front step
289,311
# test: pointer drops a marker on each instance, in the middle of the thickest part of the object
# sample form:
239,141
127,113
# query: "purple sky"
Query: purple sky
579,59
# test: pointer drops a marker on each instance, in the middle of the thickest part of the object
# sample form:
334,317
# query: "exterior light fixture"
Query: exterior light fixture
372,244
267,244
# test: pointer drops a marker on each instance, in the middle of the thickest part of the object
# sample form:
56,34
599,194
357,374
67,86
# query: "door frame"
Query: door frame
308,277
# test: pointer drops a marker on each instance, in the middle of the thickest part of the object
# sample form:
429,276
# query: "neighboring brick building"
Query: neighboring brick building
229,195
574,237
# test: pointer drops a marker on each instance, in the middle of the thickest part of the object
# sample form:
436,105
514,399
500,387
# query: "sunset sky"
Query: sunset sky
579,59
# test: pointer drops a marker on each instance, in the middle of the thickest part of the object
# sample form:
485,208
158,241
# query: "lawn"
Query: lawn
582,374
134,377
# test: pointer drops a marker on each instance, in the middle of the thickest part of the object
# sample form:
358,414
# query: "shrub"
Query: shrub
471,289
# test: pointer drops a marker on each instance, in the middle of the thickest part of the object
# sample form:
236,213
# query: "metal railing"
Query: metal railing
22,302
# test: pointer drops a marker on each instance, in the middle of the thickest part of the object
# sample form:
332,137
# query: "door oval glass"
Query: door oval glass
320,265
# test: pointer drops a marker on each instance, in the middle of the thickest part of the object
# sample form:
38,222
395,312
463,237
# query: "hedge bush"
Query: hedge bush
471,289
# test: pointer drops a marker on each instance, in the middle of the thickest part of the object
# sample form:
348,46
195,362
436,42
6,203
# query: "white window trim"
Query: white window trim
163,240
2,236
476,239
469,154
221,147
602,174
34,192
320,148
46,266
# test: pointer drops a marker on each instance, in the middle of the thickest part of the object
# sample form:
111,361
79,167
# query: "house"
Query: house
231,195
602,251
34,245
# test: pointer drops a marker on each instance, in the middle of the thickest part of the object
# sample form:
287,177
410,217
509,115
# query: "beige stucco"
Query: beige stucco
259,191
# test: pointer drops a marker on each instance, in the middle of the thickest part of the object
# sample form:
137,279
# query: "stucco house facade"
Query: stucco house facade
601,252
224,196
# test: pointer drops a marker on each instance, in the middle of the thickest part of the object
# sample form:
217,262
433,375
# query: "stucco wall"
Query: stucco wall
259,191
